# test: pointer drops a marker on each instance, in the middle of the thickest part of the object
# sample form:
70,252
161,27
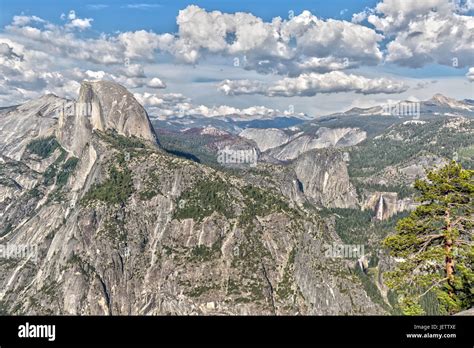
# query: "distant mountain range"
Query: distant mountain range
132,215
437,105
283,139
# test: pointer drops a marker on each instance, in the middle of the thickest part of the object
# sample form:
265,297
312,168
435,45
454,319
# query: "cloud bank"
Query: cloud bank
311,84
310,55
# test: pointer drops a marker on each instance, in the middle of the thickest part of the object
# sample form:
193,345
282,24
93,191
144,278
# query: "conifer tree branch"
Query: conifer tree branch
432,286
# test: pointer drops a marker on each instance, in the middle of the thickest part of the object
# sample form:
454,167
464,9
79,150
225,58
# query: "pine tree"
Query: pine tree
434,246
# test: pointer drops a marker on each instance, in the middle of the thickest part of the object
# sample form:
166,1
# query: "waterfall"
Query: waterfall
379,210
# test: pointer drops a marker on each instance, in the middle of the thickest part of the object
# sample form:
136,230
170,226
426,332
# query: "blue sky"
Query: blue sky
321,57
160,16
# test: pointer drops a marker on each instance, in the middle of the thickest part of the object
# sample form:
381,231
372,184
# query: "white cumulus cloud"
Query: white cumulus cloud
279,46
470,74
312,83
424,32
156,83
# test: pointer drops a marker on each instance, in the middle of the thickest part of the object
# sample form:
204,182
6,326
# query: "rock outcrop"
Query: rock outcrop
102,106
266,139
33,119
387,204
468,312
115,226
323,138
325,180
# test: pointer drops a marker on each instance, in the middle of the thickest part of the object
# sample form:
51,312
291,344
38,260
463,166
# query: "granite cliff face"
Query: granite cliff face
266,138
325,180
20,124
358,169
286,147
323,138
387,204
118,226
115,108
101,106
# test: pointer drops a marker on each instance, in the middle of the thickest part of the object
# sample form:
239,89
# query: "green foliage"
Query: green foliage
200,290
51,172
6,229
393,301
204,198
49,175
82,265
374,260
430,304
121,142
466,154
43,147
3,309
374,155
410,306
233,287
152,187
402,190
204,253
260,202
356,226
116,189
148,194
194,147
435,243
58,173
351,224
8,182
370,288
67,169
35,193
284,289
